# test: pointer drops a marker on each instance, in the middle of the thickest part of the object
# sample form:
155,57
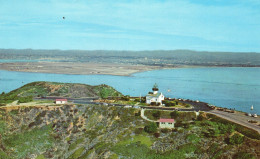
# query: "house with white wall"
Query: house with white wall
166,123
154,96
61,101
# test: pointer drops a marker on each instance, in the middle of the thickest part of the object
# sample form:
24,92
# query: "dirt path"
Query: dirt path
238,118
144,117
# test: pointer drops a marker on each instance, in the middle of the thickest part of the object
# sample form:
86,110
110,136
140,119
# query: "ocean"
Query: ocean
230,87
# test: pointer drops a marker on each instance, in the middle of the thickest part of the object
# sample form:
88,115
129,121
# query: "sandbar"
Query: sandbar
79,68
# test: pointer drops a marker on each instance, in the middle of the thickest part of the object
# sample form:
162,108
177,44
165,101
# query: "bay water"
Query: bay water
230,87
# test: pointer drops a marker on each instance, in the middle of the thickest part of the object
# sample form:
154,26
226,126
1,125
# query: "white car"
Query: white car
248,114
254,115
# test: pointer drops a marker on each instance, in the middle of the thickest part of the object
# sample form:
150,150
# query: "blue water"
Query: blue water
237,88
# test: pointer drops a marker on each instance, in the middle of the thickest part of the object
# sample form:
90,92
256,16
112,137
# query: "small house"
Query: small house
166,123
154,97
61,101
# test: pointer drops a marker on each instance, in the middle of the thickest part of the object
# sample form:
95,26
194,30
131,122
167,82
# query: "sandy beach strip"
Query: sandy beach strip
78,68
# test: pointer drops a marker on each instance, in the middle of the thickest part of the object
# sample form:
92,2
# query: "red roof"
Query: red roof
167,120
61,99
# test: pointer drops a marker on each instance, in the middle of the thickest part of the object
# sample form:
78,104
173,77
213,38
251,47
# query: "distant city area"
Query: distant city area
149,58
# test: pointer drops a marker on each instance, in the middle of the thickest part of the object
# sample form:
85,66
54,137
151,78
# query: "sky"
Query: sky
203,25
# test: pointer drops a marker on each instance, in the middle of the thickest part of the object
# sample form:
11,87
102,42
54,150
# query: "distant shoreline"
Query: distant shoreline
92,68
78,68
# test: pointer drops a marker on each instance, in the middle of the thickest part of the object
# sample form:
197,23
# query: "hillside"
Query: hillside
42,89
92,131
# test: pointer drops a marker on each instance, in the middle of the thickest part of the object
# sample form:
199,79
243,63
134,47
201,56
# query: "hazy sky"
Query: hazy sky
213,25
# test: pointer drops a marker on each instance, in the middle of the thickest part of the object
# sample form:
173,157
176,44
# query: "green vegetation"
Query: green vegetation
194,138
239,128
27,92
38,139
105,91
174,114
77,153
138,150
113,132
143,139
76,143
236,139
244,155
157,114
40,157
151,128
3,155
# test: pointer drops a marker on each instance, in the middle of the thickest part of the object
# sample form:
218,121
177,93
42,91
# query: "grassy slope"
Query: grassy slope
35,89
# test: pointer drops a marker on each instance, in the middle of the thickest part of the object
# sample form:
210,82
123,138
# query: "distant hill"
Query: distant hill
156,57
42,89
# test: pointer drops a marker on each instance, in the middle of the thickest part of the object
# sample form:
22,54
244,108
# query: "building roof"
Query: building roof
153,95
167,120
61,100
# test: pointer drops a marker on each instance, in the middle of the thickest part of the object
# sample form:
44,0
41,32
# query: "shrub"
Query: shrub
125,98
77,153
138,130
202,116
153,103
236,139
175,114
157,114
156,135
151,128
187,105
25,99
244,155
165,130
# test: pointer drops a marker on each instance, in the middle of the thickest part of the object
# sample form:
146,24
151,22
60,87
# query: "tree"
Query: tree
157,114
175,114
151,128
104,93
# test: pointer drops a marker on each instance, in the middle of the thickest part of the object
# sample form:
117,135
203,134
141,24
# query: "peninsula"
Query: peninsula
122,63
91,124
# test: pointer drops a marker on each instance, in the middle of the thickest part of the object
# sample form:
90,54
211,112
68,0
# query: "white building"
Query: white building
154,96
61,101
166,123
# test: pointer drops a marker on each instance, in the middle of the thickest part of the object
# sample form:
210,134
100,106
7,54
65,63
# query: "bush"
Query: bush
165,130
236,139
202,116
25,99
139,130
157,114
125,98
156,135
169,103
153,103
244,155
151,128
175,114
187,105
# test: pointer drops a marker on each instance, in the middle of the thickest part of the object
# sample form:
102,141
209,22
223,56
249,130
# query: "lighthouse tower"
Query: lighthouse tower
155,88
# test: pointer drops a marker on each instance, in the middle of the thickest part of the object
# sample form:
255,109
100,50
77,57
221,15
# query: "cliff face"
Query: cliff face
93,131
65,132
